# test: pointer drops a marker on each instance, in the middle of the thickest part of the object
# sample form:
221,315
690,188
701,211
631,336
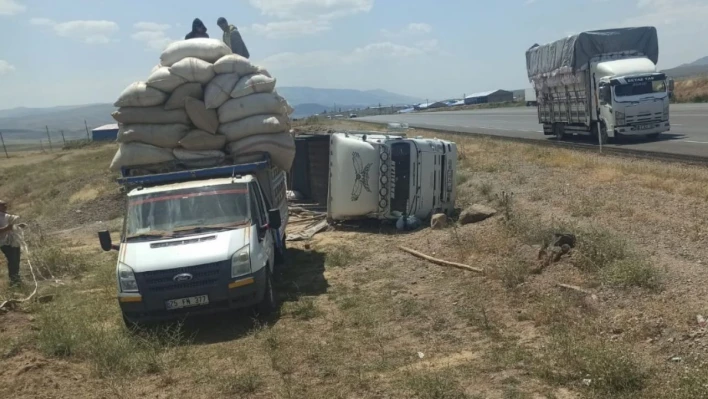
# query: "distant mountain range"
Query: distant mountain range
23,123
698,67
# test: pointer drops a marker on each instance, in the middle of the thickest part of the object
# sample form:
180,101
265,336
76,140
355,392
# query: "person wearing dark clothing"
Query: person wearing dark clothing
233,38
198,30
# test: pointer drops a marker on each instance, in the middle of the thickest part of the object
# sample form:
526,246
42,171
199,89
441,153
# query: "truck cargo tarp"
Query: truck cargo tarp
571,53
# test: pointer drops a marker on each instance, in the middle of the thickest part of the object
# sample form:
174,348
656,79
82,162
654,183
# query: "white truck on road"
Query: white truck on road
530,97
601,82
200,241
382,176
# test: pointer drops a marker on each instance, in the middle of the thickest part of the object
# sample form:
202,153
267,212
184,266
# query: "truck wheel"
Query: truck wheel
559,131
269,304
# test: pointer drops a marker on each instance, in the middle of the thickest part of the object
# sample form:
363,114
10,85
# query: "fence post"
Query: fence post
3,145
49,138
62,138
87,132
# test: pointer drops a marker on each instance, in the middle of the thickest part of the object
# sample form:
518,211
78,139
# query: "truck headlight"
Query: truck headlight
126,278
241,262
620,118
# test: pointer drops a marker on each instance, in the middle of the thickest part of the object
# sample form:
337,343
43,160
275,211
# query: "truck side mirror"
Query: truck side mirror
605,94
274,220
671,85
104,237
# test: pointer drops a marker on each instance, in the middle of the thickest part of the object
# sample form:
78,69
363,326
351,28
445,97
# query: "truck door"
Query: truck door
605,96
265,253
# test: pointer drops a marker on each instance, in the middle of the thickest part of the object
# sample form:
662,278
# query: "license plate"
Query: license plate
187,302
645,127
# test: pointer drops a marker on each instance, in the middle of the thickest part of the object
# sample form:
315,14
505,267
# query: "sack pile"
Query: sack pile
202,102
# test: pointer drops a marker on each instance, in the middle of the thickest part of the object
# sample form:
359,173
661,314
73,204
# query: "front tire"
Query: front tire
269,303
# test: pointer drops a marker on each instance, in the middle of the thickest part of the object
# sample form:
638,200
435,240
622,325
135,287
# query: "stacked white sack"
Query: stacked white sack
191,109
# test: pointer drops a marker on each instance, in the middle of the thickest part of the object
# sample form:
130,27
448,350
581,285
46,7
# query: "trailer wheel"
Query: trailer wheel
559,131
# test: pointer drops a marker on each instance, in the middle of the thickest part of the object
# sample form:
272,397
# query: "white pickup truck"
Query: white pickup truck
200,241
381,176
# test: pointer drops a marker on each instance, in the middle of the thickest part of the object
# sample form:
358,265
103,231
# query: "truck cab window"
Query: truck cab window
605,94
257,211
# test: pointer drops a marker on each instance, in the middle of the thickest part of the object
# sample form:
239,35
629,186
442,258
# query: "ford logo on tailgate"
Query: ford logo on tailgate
182,277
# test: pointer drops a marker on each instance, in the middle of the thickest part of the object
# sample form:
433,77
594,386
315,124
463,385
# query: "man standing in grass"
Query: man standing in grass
233,38
10,243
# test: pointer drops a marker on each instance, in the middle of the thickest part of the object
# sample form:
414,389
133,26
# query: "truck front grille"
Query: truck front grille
646,117
163,280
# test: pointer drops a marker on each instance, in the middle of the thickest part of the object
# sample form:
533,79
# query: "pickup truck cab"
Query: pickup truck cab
197,242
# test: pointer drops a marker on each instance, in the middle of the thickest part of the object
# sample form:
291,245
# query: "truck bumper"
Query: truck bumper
224,294
659,127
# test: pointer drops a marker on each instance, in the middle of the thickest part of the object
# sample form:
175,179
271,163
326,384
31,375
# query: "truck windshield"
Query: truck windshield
640,88
186,211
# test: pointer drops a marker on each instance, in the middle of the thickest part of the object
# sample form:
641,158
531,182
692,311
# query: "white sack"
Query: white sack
257,124
186,155
138,94
164,136
234,64
150,115
208,50
263,71
176,100
199,140
255,104
164,80
155,68
280,146
218,91
135,154
193,70
203,118
256,83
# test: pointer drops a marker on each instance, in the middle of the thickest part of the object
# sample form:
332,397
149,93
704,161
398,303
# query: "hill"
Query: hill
25,122
698,67
352,98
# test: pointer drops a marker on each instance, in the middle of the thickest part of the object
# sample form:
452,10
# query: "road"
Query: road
688,135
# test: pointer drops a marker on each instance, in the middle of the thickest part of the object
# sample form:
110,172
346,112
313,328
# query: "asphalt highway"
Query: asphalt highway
688,135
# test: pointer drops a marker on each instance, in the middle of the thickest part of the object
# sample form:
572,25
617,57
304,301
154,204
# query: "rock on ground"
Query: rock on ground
438,221
476,213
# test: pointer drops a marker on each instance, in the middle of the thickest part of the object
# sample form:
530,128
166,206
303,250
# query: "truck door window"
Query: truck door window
258,212
605,94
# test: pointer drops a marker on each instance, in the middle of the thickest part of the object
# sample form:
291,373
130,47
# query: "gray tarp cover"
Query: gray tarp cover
571,53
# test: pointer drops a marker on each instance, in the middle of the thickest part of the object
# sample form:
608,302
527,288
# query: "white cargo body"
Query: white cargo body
388,176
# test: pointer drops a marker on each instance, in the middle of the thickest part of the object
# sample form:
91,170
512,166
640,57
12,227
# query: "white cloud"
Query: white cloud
153,34
88,31
289,29
412,29
306,9
151,26
11,7
529,2
6,67
373,51
41,21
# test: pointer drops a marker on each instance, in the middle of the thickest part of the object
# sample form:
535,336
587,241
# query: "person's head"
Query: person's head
223,23
198,26
3,206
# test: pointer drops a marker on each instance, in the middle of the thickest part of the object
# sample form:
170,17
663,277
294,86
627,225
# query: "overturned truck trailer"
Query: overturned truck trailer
600,82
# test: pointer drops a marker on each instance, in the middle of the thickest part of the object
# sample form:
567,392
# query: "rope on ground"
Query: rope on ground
23,244
440,261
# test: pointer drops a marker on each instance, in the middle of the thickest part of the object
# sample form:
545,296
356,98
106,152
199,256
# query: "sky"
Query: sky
86,51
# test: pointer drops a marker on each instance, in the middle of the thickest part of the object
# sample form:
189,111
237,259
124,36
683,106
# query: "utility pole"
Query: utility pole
3,145
87,132
49,138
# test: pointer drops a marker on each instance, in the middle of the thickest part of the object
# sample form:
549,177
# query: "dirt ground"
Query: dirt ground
362,319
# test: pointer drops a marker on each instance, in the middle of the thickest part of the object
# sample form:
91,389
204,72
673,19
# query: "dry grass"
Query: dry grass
691,90
361,319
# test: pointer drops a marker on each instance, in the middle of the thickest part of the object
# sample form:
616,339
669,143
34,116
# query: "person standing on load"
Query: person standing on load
198,30
10,243
233,38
